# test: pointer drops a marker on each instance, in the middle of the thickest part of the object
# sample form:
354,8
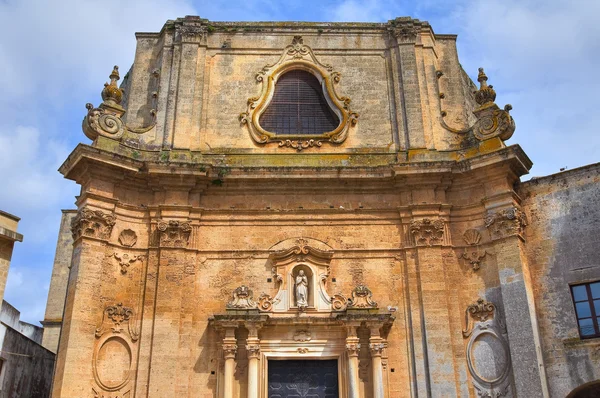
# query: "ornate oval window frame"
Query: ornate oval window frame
298,56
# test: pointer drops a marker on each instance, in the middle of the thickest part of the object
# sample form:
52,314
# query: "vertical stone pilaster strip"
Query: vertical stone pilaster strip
521,320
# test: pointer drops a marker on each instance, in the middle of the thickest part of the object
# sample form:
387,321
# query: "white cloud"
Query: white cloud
54,58
542,57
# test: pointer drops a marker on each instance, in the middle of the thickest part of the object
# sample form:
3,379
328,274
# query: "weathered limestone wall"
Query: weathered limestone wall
198,77
562,249
58,283
171,219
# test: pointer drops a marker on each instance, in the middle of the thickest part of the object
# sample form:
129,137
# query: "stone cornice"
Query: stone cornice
85,160
10,235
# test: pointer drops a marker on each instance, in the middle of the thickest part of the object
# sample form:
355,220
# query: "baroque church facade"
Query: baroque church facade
317,210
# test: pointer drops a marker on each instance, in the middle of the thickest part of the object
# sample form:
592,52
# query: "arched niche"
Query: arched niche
311,288
286,262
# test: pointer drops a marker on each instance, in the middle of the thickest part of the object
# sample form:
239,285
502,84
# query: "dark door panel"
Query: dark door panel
303,379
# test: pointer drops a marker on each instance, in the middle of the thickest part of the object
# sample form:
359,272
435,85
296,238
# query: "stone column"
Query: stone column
253,350
376,346
229,350
352,348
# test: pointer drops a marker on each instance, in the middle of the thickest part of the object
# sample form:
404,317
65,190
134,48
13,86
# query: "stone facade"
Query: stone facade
205,247
58,284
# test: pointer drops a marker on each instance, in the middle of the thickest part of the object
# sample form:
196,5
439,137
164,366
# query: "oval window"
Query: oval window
298,107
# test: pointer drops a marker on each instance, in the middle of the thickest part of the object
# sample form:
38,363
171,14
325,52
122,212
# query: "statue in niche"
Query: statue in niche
301,290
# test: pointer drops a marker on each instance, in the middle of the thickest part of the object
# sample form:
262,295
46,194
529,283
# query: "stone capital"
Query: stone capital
93,224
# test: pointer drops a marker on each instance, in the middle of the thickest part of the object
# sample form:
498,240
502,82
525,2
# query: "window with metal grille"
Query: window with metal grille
587,307
298,107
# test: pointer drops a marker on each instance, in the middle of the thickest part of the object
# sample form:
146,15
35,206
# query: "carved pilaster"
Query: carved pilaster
174,233
505,223
405,30
92,223
427,232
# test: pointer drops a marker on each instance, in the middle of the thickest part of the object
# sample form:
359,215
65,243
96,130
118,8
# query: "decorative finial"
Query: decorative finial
485,94
112,94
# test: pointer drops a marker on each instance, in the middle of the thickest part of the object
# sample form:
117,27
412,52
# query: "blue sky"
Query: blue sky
541,56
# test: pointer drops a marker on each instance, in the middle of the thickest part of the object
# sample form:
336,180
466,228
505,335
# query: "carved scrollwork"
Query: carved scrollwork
427,231
339,302
253,350
405,29
106,119
243,298
481,311
298,56
92,223
473,255
266,302
506,222
491,120
484,327
125,260
115,316
174,233
362,297
302,336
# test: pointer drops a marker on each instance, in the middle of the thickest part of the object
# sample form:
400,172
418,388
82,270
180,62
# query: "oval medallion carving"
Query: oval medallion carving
488,357
112,363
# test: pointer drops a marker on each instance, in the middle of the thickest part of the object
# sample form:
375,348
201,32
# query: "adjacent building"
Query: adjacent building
318,210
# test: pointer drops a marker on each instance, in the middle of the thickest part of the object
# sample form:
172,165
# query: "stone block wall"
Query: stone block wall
562,250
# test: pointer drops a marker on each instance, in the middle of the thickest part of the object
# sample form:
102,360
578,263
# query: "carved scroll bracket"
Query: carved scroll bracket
106,120
491,120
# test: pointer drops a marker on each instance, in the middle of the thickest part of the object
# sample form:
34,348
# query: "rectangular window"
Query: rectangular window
587,308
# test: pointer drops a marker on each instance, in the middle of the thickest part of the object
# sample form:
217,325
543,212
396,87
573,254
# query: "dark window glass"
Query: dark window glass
579,293
587,309
595,287
298,107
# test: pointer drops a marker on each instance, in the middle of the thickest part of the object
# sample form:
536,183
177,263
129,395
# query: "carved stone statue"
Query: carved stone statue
301,290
